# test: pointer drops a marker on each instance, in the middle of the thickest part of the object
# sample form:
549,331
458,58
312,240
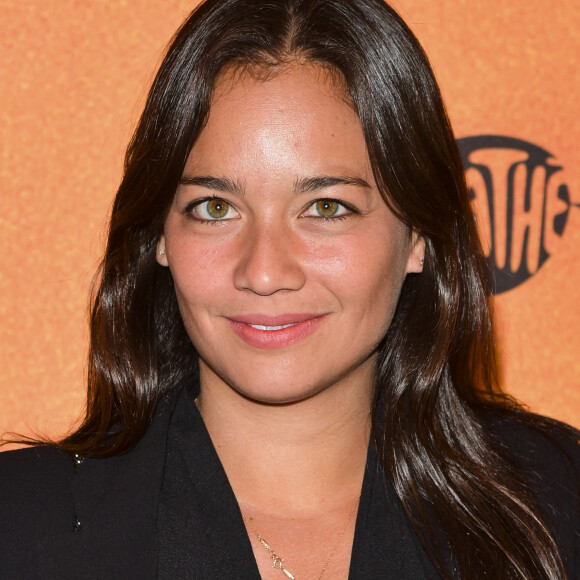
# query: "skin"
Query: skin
276,244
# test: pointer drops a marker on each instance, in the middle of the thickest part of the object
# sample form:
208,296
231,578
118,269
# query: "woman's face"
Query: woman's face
286,260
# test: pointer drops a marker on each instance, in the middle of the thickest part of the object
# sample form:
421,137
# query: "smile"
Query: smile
269,328
273,332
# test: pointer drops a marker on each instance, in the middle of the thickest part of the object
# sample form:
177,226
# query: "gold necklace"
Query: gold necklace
278,561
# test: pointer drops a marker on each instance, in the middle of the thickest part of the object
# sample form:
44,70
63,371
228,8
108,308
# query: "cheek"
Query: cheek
372,265
367,283
199,270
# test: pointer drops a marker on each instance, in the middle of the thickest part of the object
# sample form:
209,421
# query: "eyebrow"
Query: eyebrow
311,184
215,183
302,185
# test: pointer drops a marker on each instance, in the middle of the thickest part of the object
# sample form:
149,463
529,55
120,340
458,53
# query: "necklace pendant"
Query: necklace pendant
278,562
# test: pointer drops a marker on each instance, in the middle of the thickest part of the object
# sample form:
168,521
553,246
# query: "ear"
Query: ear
416,254
161,252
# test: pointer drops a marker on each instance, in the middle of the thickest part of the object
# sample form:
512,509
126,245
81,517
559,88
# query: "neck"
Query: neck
301,457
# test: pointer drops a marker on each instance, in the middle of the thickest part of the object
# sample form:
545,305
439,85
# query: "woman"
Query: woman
291,366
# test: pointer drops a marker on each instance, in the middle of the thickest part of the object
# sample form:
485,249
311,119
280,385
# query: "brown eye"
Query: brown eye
327,207
212,210
217,208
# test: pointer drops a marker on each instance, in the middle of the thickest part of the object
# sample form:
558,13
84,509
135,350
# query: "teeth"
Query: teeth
261,327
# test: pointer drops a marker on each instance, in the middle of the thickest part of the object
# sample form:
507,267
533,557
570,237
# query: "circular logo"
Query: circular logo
521,204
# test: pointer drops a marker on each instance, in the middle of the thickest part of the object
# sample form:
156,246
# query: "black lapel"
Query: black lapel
203,534
385,545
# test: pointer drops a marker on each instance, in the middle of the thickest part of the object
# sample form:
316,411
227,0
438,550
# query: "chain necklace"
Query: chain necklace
278,561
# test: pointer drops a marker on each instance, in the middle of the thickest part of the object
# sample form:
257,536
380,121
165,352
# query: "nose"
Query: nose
269,261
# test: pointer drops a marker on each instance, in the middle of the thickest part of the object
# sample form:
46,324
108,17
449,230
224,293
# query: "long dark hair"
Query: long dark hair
435,376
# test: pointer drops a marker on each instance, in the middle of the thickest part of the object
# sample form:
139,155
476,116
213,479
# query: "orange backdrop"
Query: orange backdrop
74,75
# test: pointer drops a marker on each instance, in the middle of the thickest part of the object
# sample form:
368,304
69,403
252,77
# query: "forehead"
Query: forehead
298,113
283,89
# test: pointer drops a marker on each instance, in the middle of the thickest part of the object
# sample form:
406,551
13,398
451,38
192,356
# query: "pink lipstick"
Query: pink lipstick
270,332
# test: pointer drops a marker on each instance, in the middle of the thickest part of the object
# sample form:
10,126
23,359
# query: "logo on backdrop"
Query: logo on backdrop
521,202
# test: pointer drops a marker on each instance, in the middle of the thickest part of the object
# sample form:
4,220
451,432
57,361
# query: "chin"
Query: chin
278,395
260,384
270,390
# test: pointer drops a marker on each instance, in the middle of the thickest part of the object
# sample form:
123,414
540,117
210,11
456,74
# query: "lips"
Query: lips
271,332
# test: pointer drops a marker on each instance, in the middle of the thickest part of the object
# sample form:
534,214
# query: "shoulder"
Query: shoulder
32,481
545,450
33,471
547,455
93,518
34,502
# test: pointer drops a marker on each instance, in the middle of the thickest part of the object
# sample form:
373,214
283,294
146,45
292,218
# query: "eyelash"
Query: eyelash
188,210
350,210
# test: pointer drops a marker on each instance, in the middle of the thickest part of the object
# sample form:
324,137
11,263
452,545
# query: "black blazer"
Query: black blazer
60,519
